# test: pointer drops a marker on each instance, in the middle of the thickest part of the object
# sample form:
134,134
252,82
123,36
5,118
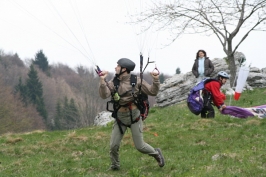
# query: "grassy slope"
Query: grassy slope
192,146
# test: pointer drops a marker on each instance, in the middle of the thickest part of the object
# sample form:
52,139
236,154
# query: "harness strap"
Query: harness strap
133,81
120,123
130,110
207,97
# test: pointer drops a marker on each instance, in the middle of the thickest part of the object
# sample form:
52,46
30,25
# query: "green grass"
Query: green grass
192,146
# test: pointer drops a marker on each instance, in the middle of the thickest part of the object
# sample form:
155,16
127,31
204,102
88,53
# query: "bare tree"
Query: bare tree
223,18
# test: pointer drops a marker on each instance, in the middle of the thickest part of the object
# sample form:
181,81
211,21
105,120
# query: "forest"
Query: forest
36,95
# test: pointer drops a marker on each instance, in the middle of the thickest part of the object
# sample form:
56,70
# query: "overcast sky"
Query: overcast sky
63,30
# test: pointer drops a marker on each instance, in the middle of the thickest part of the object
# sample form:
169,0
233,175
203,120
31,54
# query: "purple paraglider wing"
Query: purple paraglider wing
237,112
259,111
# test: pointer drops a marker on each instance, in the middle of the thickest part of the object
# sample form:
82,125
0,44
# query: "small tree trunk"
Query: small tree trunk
232,68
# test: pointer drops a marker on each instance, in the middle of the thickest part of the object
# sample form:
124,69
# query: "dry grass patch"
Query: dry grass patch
11,140
19,162
253,122
101,135
47,162
7,134
90,153
76,155
71,135
201,124
201,143
234,125
127,140
35,131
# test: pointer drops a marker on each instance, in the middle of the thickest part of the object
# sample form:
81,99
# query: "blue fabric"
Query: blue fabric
201,66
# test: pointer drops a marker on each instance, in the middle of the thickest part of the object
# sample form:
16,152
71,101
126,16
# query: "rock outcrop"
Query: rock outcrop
103,118
175,89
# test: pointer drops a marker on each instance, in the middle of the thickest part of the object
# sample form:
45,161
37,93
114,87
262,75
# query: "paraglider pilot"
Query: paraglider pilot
128,114
213,94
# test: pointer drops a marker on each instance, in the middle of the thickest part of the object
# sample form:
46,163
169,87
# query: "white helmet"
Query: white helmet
223,74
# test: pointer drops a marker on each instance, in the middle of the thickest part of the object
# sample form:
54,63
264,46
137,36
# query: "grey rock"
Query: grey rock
175,89
103,118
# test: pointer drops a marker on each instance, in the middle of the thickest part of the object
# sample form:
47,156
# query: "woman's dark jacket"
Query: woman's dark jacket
208,67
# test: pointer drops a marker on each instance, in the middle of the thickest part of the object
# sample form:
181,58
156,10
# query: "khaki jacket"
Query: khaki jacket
125,89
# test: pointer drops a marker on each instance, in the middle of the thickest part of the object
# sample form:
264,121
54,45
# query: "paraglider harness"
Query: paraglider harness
199,97
140,99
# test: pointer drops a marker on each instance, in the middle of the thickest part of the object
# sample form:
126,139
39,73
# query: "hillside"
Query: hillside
192,146
67,97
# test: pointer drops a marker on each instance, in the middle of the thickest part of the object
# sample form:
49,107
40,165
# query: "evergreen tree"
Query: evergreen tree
67,115
32,92
178,71
68,111
23,92
34,85
35,92
65,108
73,109
161,78
58,116
42,61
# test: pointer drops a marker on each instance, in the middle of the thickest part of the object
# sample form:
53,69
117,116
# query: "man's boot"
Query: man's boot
159,158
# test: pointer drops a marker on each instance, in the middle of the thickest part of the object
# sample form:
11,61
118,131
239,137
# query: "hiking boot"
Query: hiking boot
114,168
159,158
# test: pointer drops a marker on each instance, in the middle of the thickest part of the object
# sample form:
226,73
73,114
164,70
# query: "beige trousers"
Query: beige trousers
137,136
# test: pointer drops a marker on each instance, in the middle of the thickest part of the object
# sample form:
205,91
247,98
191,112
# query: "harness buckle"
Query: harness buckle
110,106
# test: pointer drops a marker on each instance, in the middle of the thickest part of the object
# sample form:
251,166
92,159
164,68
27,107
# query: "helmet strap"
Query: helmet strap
221,79
121,72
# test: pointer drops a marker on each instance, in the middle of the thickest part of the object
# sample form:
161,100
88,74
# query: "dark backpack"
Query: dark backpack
195,101
141,100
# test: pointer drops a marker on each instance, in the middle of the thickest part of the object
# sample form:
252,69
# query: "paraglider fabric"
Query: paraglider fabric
258,111
237,112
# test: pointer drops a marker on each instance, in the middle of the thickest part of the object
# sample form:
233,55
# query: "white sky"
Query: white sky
30,25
